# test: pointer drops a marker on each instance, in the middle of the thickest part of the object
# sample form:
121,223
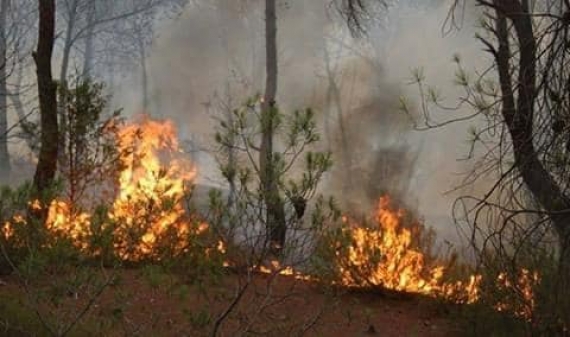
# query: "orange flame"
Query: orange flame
385,256
63,221
151,189
524,303
148,206
275,267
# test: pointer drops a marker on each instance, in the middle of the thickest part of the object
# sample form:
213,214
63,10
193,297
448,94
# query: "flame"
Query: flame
8,230
275,267
396,264
221,247
151,189
63,221
524,303
148,206
386,256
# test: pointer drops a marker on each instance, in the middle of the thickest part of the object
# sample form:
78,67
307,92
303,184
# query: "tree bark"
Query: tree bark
275,214
4,155
47,161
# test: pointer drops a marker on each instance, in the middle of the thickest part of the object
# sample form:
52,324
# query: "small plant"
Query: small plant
240,215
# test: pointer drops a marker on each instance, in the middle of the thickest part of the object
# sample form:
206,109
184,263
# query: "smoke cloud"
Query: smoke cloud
212,56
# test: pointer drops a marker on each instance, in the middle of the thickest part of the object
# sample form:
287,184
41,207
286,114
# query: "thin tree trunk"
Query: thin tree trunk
66,53
47,161
225,17
144,74
275,214
4,155
89,41
19,107
67,44
334,101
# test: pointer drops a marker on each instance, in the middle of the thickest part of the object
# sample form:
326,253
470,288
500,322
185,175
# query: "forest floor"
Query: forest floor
149,302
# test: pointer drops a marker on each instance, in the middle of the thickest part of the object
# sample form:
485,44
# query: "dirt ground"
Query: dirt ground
147,302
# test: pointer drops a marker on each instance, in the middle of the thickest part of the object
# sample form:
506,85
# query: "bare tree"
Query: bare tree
19,19
117,28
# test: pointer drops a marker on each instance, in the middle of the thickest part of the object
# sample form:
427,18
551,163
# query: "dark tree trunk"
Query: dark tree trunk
275,214
4,155
519,117
47,161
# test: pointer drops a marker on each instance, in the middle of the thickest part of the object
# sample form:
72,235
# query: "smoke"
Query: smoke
423,40
212,57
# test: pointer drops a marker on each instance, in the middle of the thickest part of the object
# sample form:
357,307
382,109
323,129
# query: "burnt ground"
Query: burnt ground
149,302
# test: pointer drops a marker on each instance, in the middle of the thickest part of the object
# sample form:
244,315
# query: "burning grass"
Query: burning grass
147,218
390,255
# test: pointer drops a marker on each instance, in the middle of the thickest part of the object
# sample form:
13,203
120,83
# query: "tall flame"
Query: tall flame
151,188
148,208
385,256
395,263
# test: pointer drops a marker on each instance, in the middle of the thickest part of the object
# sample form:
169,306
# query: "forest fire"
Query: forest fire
63,221
523,290
389,256
147,215
386,257
151,190
147,218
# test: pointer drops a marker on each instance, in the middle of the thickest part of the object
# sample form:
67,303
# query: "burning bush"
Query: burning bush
389,257
148,213
147,219
394,256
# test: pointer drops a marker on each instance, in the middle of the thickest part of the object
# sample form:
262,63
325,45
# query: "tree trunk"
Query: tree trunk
4,155
68,41
67,44
19,108
275,214
89,41
519,117
144,74
334,101
47,161
225,16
